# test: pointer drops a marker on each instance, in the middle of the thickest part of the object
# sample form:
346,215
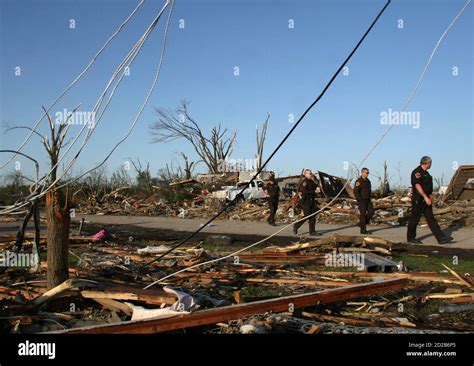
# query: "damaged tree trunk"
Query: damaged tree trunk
58,220
57,208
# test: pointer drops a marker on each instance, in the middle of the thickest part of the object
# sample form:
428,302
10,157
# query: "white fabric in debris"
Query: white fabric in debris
184,305
185,301
140,313
154,249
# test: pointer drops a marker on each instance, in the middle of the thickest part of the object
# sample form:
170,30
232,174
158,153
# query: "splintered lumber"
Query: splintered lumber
281,258
388,322
339,319
414,276
354,239
458,276
333,239
305,282
66,285
149,296
233,312
376,241
469,296
314,329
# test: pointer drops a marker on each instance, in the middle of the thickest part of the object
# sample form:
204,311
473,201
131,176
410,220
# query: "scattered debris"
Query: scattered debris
278,289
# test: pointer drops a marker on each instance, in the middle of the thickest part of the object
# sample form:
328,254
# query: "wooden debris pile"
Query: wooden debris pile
278,289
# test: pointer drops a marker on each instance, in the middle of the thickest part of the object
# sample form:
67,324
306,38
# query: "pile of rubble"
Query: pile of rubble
393,210
296,288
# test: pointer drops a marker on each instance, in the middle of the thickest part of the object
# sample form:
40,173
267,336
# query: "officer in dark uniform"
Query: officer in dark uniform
363,193
273,194
422,187
307,189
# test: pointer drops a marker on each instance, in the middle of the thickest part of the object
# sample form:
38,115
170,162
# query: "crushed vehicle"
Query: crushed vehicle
254,191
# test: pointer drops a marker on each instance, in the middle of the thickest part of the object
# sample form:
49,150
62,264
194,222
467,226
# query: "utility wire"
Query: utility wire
33,130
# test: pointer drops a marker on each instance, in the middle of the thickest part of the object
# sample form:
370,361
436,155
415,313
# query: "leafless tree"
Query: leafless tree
261,141
143,178
120,178
213,150
384,180
188,166
439,182
58,205
169,174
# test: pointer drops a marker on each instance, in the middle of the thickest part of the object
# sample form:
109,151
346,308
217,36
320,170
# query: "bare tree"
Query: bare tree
120,178
261,141
439,182
58,204
169,174
213,150
95,185
188,167
15,180
144,180
384,180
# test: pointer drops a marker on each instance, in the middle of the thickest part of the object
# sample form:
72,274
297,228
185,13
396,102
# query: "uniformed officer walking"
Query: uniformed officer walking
422,187
307,189
363,194
273,192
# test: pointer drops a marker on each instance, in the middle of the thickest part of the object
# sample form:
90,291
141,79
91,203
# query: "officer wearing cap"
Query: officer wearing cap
363,194
307,190
422,188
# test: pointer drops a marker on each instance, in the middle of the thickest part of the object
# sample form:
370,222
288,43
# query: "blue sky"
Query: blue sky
282,70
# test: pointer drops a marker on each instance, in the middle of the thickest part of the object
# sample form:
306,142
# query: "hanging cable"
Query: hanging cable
76,79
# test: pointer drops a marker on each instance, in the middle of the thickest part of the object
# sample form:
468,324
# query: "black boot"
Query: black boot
446,240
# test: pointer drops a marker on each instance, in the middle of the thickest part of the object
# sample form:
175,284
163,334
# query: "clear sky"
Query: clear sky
282,70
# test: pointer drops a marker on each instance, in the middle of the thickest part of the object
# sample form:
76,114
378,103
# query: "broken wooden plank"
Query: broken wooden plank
458,276
414,276
149,296
450,296
357,322
293,281
227,313
66,285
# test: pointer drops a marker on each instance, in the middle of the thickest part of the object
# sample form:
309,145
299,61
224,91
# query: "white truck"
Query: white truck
253,192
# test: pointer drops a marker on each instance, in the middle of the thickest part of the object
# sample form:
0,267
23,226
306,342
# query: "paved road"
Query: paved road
464,237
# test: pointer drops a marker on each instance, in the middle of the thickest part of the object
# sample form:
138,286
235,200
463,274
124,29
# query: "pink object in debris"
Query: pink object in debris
100,235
